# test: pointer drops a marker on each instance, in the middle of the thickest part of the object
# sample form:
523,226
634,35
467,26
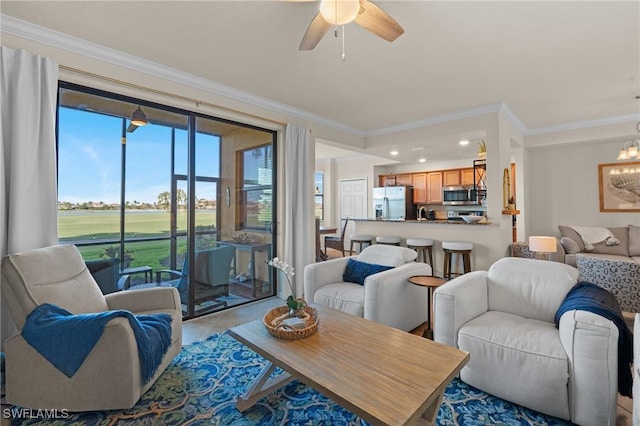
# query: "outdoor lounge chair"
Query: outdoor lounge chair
211,279
106,272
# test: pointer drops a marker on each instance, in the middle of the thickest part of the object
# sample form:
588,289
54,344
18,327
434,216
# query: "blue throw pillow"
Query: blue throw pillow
356,271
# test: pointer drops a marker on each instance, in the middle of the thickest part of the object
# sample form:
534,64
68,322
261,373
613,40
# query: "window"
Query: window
148,198
319,195
256,165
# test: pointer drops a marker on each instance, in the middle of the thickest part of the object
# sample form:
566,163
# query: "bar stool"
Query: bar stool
422,246
456,247
360,239
392,241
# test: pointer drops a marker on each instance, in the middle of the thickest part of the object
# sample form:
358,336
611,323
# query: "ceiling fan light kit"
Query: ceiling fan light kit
339,12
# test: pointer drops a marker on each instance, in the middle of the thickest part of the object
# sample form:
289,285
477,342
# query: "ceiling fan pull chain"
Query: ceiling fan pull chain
335,11
344,55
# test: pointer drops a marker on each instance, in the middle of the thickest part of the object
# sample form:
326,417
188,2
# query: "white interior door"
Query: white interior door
353,203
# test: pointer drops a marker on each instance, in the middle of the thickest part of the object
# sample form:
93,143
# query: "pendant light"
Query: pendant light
138,118
631,150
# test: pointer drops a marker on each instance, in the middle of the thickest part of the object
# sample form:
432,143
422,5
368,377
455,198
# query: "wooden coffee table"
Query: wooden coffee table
430,282
384,375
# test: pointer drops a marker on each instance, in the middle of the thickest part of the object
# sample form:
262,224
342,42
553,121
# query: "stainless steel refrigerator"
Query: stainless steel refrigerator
394,202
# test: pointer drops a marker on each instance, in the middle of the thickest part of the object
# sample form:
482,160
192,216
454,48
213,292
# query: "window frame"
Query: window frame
318,194
242,208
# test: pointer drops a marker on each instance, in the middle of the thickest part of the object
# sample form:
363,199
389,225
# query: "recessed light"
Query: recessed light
422,160
394,152
463,142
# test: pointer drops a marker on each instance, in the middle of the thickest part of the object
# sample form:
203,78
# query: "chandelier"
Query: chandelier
631,150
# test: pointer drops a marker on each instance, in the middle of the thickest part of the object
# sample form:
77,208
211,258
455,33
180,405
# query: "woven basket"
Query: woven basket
289,334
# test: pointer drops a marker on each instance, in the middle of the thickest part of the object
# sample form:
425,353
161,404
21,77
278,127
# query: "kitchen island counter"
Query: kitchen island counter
487,247
426,221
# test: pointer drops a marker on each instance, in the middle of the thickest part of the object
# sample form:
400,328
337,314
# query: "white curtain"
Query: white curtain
28,196
299,216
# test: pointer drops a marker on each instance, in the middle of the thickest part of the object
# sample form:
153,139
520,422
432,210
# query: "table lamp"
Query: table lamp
543,245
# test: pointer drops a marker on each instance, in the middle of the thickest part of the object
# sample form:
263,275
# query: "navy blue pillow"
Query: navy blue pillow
356,271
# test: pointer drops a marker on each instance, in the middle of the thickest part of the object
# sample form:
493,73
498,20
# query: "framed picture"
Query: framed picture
619,187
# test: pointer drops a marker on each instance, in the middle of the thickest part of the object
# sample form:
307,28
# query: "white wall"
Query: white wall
562,187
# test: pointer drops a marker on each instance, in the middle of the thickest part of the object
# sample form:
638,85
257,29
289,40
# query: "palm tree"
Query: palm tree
164,199
181,197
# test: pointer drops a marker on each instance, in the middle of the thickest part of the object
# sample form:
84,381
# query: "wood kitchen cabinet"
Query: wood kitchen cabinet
427,186
466,176
419,188
456,177
404,179
434,188
386,180
451,177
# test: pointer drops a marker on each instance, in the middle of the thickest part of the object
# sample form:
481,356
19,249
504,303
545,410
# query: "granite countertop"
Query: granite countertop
435,221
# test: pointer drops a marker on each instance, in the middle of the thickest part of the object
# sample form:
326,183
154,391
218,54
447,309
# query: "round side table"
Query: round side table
431,283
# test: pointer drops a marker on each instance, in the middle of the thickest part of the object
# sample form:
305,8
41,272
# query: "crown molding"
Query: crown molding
46,36
506,110
438,119
29,31
577,125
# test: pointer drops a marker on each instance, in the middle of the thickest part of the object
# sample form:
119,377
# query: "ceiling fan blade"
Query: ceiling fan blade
377,21
317,29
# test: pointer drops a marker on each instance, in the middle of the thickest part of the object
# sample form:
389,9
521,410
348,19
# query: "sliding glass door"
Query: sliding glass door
170,200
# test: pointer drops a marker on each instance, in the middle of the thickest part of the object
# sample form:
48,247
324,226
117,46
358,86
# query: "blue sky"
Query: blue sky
89,158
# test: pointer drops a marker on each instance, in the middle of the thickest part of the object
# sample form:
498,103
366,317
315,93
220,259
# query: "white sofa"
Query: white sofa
504,318
386,297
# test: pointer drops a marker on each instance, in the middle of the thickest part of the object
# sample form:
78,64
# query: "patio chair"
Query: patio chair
106,272
211,279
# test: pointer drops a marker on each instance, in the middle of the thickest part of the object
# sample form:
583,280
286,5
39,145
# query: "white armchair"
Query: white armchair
386,297
504,318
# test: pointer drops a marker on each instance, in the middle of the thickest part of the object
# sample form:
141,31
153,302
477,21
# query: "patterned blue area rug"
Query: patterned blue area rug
201,385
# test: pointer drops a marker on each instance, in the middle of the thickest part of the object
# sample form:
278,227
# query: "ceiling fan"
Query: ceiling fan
340,12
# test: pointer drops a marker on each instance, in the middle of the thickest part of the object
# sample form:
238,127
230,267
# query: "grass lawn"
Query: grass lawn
87,225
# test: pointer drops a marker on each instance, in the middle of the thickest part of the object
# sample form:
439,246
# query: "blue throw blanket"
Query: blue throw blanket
589,297
66,339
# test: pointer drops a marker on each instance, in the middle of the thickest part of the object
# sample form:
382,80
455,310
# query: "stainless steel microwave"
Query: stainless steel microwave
463,195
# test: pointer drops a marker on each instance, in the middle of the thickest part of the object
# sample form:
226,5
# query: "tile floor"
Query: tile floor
201,328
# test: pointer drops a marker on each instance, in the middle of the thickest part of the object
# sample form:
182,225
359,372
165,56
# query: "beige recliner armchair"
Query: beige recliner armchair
110,376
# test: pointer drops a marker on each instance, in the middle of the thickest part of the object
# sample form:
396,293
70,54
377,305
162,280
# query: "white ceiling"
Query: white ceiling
551,62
